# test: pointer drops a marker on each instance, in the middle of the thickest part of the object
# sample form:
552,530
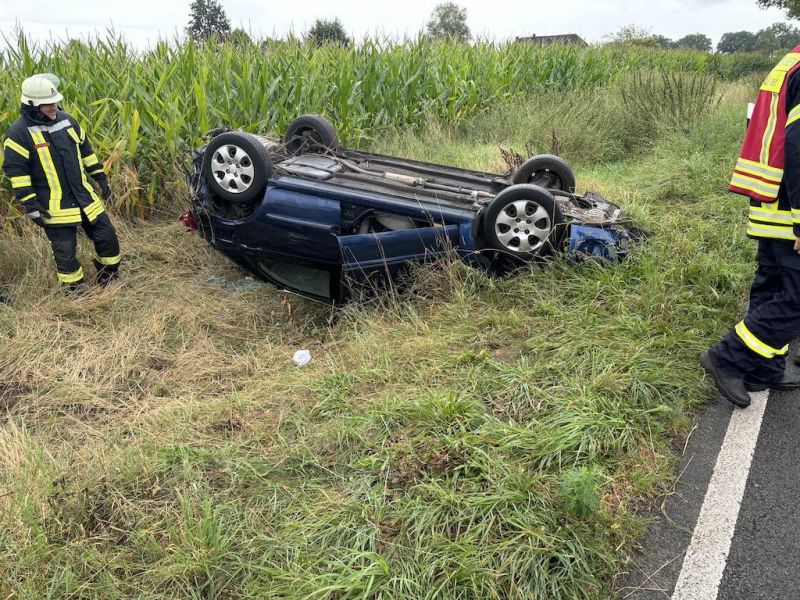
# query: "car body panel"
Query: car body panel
297,223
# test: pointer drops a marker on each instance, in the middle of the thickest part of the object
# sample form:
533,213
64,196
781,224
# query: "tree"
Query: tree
775,38
207,18
779,36
448,21
694,41
632,35
737,41
663,42
239,37
792,7
325,32
766,42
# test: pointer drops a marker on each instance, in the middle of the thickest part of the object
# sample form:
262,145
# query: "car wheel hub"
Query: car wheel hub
233,168
523,226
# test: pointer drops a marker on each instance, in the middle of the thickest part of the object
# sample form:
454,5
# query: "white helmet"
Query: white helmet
52,77
39,89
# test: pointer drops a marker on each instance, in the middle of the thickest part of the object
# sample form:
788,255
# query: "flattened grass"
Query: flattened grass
470,438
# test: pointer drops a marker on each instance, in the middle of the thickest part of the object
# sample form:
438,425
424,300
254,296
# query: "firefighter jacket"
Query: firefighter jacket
48,163
768,168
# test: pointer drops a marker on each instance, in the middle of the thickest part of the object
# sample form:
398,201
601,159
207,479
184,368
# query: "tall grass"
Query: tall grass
144,111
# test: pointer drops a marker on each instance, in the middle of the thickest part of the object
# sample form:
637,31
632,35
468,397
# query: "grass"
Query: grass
468,438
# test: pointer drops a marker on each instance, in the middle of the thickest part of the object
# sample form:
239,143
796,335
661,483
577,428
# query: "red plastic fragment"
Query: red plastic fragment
187,218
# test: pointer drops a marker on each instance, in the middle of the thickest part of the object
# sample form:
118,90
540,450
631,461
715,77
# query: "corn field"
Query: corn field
145,110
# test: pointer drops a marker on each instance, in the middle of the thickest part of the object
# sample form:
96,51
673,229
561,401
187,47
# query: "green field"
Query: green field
466,438
145,111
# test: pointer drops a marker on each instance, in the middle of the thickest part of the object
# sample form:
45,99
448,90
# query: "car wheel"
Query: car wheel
236,167
547,171
310,133
524,221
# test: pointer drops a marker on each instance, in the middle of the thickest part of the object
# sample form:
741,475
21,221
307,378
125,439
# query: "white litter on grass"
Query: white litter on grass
301,358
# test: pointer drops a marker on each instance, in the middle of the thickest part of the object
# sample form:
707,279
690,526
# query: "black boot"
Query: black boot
786,383
106,274
74,289
730,387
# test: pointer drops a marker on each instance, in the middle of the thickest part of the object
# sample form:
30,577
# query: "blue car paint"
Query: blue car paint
608,244
302,218
294,223
368,251
427,211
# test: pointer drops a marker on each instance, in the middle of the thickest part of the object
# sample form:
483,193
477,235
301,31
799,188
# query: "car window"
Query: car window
298,276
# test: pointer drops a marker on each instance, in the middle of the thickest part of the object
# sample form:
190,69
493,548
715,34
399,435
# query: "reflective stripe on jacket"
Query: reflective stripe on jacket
48,167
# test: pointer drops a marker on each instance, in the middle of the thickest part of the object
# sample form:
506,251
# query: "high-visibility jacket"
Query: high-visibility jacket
759,172
49,164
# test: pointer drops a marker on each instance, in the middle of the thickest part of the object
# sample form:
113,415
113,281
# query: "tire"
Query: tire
236,167
310,133
547,171
523,221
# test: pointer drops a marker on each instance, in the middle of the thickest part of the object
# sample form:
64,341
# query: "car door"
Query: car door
373,261
291,241
296,224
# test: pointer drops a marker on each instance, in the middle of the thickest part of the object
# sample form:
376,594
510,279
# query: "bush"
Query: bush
655,101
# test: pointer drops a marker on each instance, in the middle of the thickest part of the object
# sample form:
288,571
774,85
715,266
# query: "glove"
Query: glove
36,217
105,189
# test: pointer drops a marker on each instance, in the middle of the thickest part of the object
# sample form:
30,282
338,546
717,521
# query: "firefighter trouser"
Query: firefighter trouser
757,346
64,241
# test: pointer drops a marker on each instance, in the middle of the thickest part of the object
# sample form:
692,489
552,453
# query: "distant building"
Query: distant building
547,40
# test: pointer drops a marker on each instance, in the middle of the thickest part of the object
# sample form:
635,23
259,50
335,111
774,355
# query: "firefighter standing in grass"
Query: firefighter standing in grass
752,355
49,161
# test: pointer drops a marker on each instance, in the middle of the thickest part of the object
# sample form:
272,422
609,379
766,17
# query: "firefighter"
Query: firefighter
49,160
751,357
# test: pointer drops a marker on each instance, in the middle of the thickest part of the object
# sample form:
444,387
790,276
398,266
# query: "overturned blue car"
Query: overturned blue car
324,221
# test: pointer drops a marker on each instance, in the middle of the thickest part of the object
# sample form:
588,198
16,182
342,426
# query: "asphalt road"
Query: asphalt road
731,529
764,559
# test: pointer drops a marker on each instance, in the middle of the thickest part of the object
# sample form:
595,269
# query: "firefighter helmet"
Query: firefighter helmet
38,90
53,78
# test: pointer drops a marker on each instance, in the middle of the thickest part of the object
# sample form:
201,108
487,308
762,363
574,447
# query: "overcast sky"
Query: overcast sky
143,21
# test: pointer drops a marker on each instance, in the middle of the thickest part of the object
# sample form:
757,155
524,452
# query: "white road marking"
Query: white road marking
705,559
